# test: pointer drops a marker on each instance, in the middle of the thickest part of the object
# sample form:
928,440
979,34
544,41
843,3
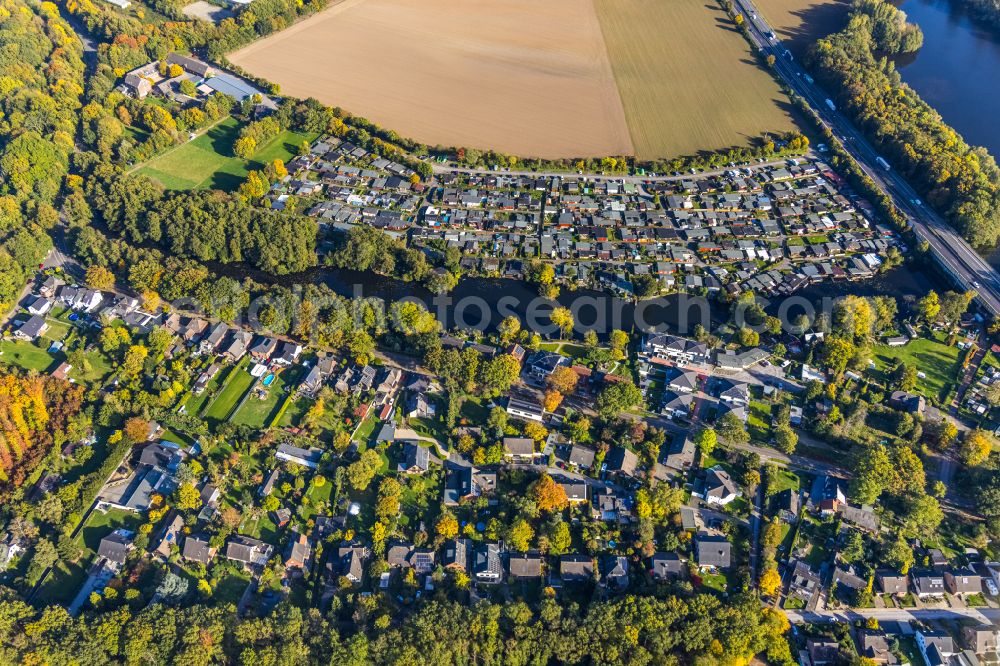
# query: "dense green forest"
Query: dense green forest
631,630
960,181
987,11
40,88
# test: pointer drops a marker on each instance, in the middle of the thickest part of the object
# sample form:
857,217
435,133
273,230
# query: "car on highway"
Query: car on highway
991,587
975,283
918,202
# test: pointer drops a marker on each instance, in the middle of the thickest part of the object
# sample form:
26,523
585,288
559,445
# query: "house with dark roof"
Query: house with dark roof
676,405
718,487
667,566
525,566
682,381
487,566
197,549
907,402
249,551
32,329
713,551
927,583
963,582
678,454
306,457
350,562
614,572
981,639
576,568
416,459
622,461
803,582
822,652
115,547
788,504
863,517
892,582
456,554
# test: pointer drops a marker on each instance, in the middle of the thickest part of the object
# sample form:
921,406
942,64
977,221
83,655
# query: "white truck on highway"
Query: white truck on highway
830,105
882,163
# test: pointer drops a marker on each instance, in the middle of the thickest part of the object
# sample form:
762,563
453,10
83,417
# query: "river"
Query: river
483,302
957,71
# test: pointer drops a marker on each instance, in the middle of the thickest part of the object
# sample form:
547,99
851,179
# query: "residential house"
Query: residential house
576,568
525,566
298,552
682,381
416,458
262,348
581,457
935,646
487,567
621,461
873,644
862,517
788,504
679,453
307,457
823,652
197,549
519,449
419,406
680,350
213,340
981,639
237,346
32,329
456,554
115,547
892,582
928,583
803,582
39,306
614,572
677,405
713,551
667,566
287,353
963,582
907,402
526,409
351,562
718,487
250,552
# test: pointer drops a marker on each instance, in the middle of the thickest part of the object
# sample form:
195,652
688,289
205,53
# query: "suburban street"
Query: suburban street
987,615
956,256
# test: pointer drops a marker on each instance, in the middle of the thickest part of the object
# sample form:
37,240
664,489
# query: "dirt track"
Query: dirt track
520,76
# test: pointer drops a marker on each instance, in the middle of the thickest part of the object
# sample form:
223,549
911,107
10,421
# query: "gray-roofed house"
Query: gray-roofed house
520,449
581,456
614,571
719,487
197,549
667,566
306,457
416,459
525,566
32,329
892,582
456,554
713,551
621,460
351,562
927,583
576,568
679,453
115,546
487,567
249,551
963,581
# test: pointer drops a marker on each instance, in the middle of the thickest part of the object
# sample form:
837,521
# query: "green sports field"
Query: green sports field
208,162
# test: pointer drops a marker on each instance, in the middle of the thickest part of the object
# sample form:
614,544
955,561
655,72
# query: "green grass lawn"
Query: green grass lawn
714,581
932,357
565,348
100,368
208,162
237,384
63,583
295,412
365,430
27,356
784,480
100,524
230,588
759,421
258,413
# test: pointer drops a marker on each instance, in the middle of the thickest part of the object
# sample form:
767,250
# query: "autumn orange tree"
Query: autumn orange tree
32,411
547,494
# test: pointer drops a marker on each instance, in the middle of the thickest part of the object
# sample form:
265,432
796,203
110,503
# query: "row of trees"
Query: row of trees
629,630
961,182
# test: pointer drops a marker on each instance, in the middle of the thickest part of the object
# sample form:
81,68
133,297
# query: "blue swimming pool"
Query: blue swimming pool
267,380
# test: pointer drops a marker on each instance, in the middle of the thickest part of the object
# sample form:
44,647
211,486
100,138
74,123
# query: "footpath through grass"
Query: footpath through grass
208,161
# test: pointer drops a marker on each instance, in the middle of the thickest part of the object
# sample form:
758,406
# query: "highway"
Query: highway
956,256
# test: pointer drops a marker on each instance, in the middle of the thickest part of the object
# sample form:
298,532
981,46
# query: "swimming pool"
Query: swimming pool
267,380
